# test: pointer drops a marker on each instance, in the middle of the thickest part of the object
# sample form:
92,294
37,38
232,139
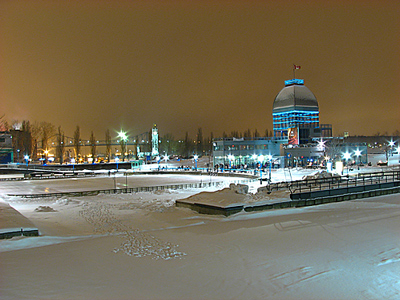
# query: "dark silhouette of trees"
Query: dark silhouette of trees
77,142
92,142
60,147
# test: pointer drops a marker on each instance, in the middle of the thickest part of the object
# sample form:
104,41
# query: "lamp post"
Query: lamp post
261,160
73,165
46,153
123,136
357,153
230,158
196,157
270,163
166,160
158,158
26,157
254,157
347,156
116,161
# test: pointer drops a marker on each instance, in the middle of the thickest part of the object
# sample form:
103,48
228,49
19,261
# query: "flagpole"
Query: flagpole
294,71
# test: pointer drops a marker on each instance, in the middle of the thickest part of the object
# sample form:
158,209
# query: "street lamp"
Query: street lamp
347,156
73,164
26,157
123,136
261,160
196,157
166,159
116,161
270,163
357,153
46,153
230,158
158,158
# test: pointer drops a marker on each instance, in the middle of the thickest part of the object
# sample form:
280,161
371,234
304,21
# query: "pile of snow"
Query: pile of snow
321,175
45,209
239,188
238,194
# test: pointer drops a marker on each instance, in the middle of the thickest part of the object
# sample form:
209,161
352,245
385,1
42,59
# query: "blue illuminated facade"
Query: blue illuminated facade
295,106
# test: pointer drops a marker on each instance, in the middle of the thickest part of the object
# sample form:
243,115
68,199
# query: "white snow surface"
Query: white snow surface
140,246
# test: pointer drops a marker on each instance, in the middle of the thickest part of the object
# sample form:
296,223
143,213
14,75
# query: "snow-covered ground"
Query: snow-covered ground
140,246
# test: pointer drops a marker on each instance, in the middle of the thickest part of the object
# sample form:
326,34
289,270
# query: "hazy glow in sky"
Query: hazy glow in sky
188,64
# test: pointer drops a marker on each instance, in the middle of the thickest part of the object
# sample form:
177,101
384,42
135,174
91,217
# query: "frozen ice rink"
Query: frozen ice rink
140,246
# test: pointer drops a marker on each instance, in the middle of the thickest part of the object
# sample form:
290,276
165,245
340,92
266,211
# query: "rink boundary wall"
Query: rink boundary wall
227,211
129,190
20,232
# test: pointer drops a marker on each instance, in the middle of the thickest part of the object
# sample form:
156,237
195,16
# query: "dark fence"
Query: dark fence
123,190
314,188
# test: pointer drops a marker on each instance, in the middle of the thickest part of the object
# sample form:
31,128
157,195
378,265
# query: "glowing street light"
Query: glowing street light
357,153
122,135
123,139
347,156
321,145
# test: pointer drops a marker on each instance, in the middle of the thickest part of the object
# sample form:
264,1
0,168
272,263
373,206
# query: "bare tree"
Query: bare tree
26,137
122,143
77,142
187,146
199,142
93,146
333,149
247,133
47,131
108,145
60,147
35,133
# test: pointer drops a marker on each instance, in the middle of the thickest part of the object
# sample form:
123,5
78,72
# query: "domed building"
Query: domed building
295,112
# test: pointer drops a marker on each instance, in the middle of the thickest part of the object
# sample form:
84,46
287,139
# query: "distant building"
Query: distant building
247,151
295,114
6,147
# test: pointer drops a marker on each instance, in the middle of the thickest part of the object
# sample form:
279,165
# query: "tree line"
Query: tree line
35,139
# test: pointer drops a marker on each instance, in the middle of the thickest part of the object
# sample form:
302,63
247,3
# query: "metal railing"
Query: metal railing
348,183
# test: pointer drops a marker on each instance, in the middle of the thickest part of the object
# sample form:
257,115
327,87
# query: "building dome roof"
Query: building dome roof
295,97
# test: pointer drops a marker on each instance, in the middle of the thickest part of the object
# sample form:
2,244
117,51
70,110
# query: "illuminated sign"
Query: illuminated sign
293,136
294,81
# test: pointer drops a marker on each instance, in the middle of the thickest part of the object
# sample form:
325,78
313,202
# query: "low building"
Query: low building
247,152
6,147
319,153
